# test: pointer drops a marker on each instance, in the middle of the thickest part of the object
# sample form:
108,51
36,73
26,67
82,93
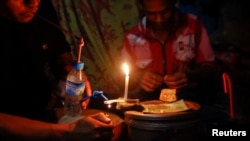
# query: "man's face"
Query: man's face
19,10
158,12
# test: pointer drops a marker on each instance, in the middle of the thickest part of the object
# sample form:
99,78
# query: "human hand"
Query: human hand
150,81
87,92
94,127
176,80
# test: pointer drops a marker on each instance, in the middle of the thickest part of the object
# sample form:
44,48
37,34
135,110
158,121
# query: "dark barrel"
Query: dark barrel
177,126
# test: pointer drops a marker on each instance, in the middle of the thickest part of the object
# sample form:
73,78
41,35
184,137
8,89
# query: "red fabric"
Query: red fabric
146,52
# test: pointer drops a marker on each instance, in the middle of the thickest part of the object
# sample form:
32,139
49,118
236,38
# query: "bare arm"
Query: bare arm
22,129
18,128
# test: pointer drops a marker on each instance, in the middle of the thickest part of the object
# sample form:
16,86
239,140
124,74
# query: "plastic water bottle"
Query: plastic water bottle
75,86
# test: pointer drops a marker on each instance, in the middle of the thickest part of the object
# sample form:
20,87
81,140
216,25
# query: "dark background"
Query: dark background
228,26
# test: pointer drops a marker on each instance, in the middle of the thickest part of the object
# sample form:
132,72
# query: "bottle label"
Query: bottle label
74,88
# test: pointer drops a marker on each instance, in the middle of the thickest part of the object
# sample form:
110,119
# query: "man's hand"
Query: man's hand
150,81
176,80
94,127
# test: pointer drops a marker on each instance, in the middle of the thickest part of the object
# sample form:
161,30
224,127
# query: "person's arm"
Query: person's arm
204,66
19,128
88,128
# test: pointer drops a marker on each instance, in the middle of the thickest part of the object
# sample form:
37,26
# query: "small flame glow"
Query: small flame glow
126,69
109,106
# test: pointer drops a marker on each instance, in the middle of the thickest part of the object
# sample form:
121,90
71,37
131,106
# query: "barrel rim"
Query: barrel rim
191,113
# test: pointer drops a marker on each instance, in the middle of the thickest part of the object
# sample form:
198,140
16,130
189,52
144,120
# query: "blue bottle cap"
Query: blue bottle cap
78,65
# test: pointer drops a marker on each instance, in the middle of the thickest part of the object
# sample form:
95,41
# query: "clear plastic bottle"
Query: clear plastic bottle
75,86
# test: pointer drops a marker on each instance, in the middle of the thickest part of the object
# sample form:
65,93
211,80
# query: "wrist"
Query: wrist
61,131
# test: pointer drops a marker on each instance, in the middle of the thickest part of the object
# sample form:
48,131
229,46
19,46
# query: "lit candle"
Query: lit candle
126,70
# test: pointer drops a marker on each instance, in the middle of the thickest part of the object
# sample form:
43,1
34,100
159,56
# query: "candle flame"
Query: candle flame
109,106
126,69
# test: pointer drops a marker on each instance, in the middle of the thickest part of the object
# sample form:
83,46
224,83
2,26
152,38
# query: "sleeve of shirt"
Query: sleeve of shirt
126,50
205,52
